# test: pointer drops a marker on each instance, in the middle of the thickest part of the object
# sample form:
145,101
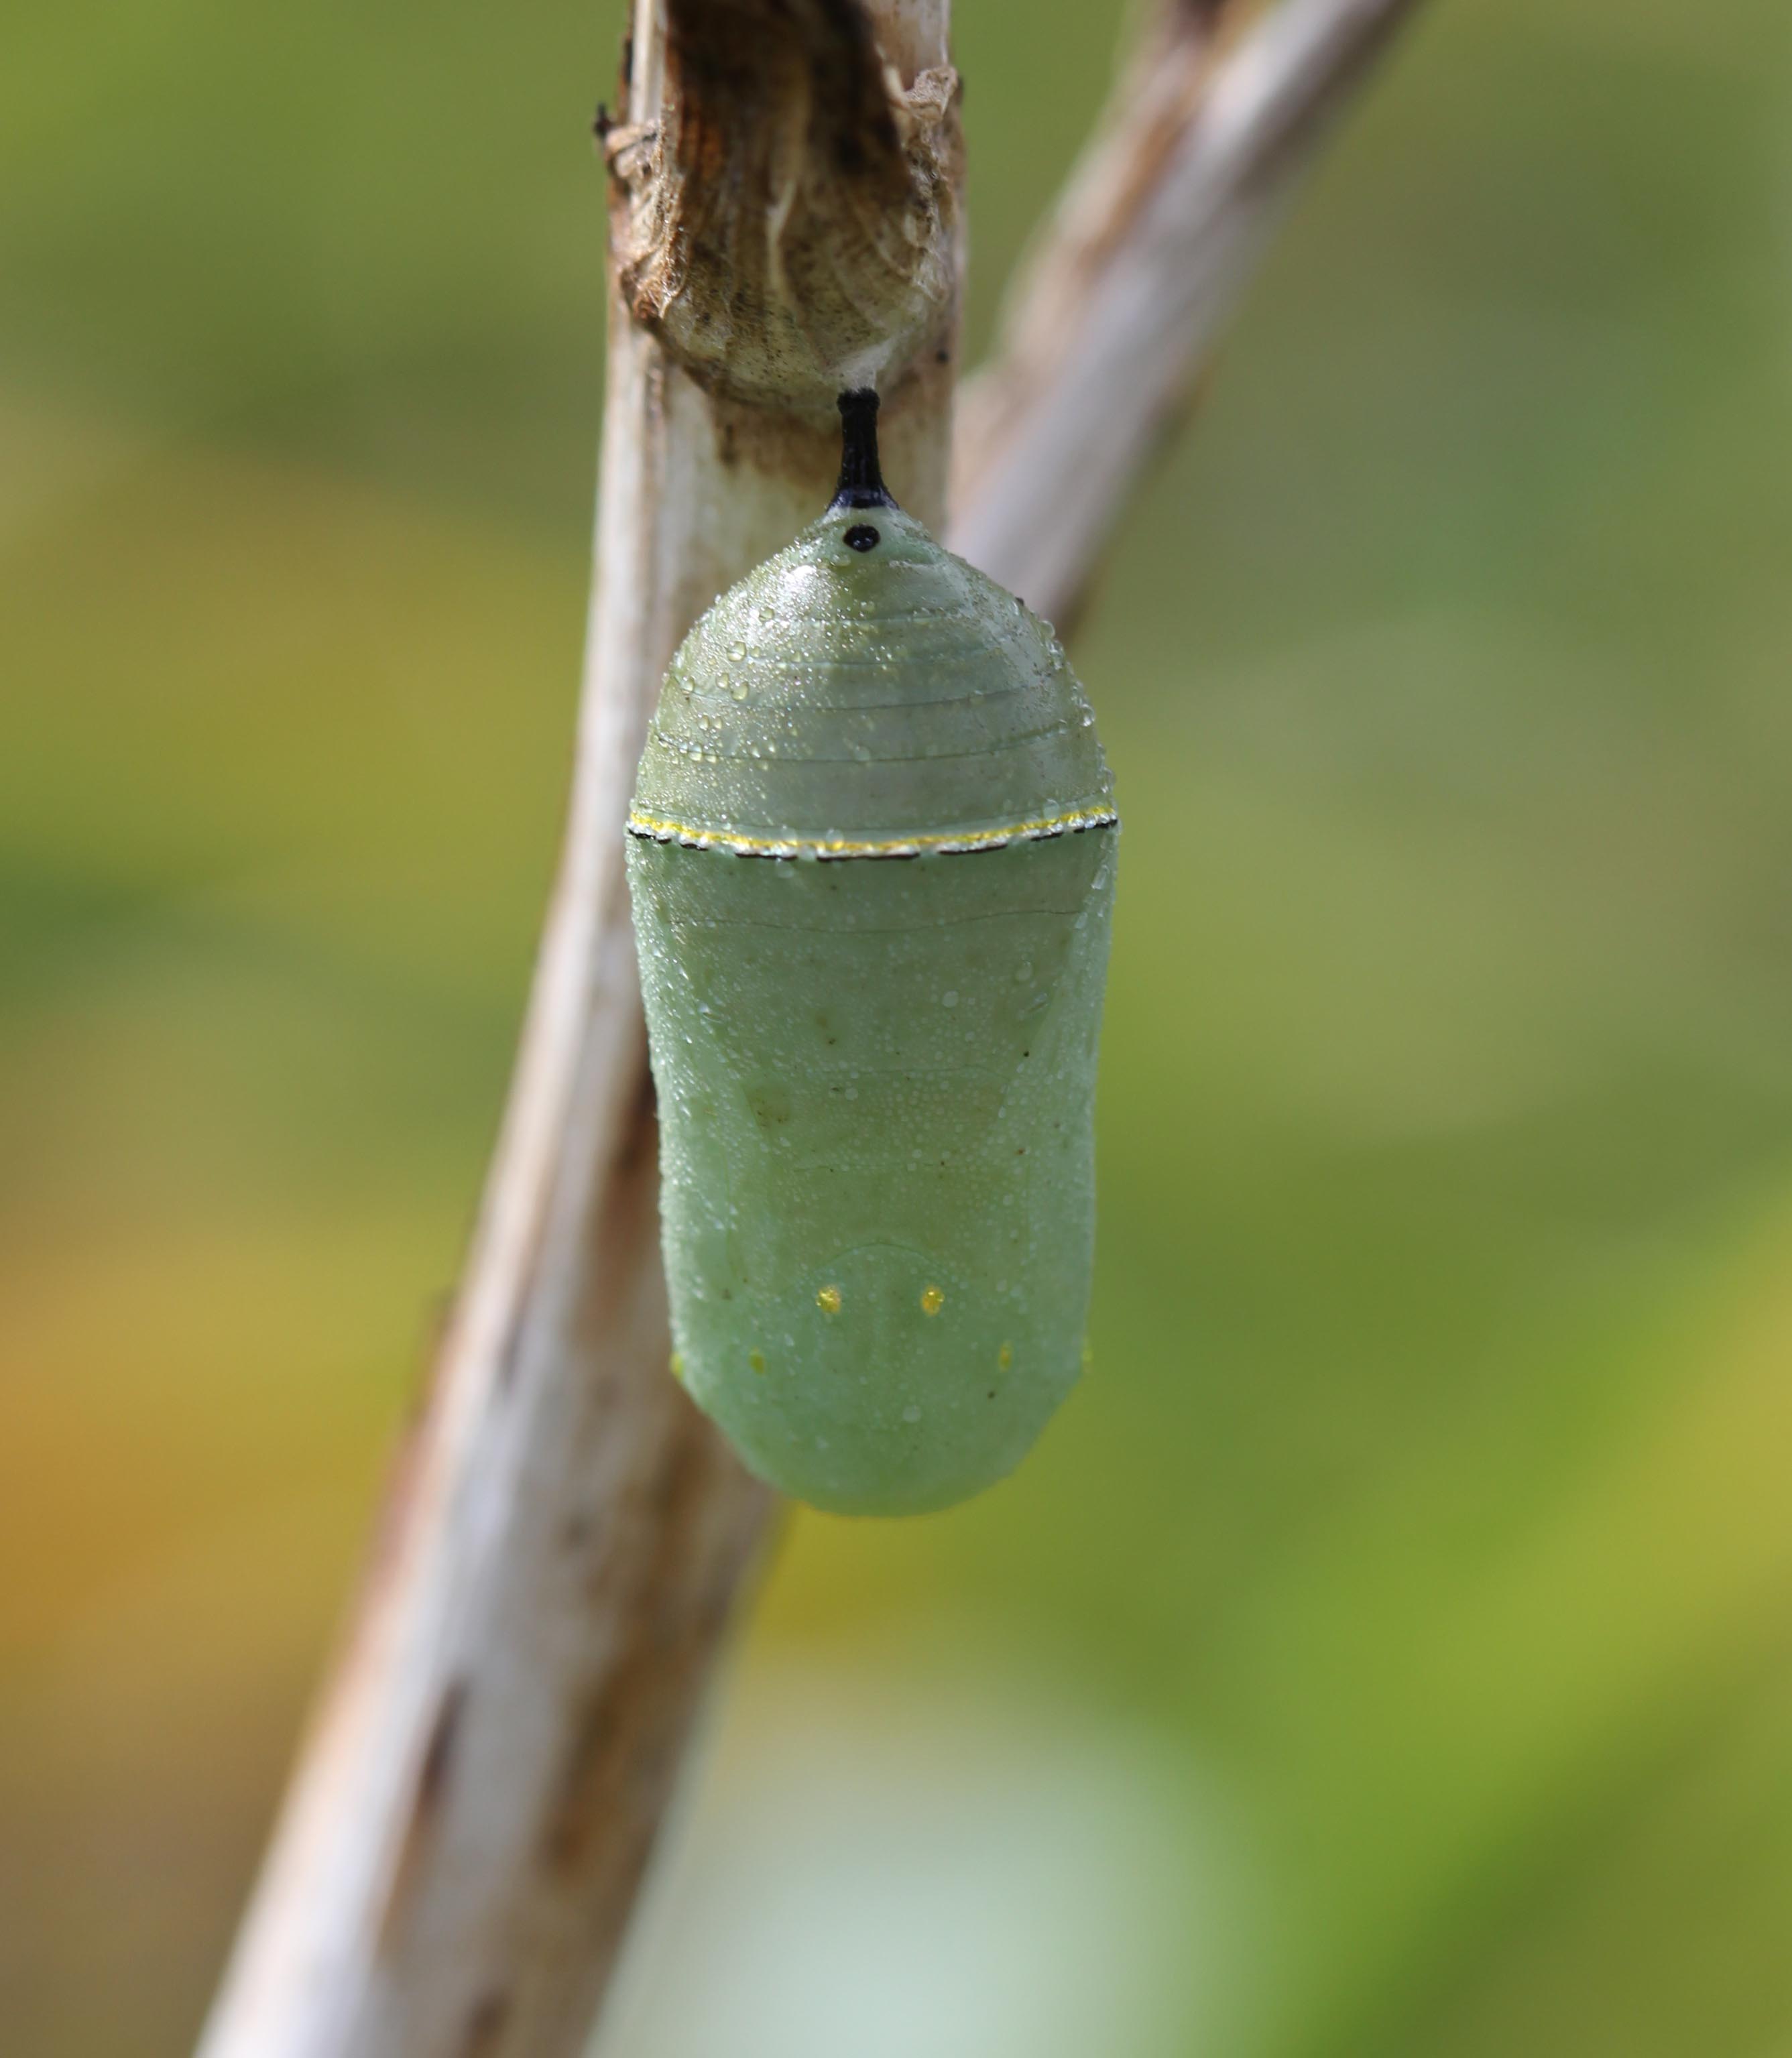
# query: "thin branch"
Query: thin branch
566,1537
1114,322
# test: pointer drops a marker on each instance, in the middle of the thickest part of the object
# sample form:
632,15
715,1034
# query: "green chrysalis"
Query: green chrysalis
872,854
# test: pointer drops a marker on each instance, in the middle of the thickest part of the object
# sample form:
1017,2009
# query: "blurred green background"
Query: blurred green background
1388,1653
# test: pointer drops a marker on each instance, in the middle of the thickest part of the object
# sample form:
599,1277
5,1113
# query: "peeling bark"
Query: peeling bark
787,216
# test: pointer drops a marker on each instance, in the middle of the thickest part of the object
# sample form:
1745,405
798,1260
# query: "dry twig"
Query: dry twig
566,1537
1112,323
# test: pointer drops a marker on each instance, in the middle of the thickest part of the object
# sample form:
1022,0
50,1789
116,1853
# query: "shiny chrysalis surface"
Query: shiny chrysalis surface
872,853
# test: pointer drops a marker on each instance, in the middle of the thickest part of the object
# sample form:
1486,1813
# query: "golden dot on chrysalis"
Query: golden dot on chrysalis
1004,1357
756,1360
932,1300
828,1299
678,1364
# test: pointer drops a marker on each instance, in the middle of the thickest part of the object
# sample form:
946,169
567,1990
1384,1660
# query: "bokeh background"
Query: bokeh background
1389,1652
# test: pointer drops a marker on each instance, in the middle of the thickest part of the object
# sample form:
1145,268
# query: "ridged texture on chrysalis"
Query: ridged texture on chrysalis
872,854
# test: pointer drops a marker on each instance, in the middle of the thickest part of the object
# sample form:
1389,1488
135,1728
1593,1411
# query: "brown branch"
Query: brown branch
566,1537
463,1843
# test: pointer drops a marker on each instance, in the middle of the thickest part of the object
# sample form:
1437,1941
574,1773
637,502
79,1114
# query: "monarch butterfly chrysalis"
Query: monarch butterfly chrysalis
875,1077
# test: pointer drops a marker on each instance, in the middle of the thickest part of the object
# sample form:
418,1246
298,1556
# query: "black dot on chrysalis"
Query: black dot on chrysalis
861,536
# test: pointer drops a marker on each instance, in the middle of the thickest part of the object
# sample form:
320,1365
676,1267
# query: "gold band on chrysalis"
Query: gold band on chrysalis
657,829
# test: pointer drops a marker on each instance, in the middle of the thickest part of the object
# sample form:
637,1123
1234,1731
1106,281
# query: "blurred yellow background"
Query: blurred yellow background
1389,1652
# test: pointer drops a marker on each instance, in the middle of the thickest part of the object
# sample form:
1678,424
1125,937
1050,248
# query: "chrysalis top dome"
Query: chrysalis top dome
866,693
